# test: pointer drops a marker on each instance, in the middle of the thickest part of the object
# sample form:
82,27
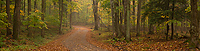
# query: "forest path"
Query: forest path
77,41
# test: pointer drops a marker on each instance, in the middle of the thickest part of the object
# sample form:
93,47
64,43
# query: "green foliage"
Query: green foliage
2,2
2,39
3,20
105,4
52,20
35,20
157,12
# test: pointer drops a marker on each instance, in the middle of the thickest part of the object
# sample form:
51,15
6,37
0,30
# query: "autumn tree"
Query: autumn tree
167,8
70,15
112,15
8,18
29,13
24,8
194,26
116,18
172,24
35,5
127,5
16,19
66,11
138,18
1,6
95,8
61,15
133,13
43,15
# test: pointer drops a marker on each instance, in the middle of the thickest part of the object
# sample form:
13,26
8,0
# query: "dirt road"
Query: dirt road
77,41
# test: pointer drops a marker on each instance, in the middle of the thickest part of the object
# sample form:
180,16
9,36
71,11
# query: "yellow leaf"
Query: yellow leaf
167,16
40,27
163,16
36,10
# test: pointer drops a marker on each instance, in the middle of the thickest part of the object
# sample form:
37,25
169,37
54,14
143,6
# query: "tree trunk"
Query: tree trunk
128,36
29,13
121,20
35,5
8,18
50,6
138,18
133,14
16,21
61,15
125,15
95,5
113,17
151,29
172,24
66,13
116,4
24,9
70,16
1,6
194,26
167,5
43,15
35,8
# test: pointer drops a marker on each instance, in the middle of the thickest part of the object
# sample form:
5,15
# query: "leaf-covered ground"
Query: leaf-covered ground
57,44
144,42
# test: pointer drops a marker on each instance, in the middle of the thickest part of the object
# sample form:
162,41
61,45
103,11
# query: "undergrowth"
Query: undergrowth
28,43
143,42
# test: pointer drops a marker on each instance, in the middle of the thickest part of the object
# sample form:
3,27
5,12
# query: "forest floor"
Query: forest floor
84,38
145,42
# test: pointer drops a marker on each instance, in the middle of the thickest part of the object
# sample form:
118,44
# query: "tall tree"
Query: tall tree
194,26
8,18
66,12
95,8
167,8
43,15
125,15
61,15
70,16
112,15
150,24
172,24
29,13
133,12
118,32
1,6
35,5
50,6
138,18
24,9
16,21
128,36
121,18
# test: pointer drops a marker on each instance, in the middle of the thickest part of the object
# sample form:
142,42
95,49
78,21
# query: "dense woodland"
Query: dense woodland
29,24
